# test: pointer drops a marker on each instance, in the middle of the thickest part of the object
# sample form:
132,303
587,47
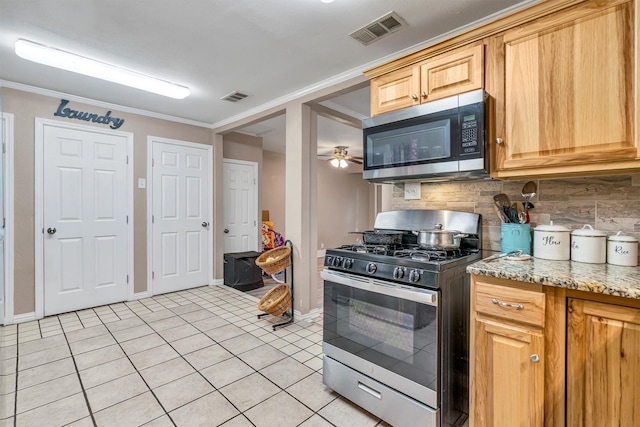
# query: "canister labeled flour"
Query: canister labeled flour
551,242
622,250
589,245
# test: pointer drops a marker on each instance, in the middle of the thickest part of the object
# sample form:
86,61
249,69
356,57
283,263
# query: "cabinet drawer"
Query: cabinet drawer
516,305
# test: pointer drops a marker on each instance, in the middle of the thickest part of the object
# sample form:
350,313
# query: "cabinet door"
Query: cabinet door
569,91
395,90
603,364
453,73
509,376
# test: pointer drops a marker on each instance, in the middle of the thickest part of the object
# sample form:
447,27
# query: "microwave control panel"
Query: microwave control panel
471,128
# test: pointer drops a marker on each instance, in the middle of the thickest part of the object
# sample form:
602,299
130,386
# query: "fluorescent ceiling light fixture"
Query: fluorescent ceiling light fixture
79,64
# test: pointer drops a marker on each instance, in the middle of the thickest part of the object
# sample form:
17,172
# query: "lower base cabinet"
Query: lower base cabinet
578,365
509,375
603,364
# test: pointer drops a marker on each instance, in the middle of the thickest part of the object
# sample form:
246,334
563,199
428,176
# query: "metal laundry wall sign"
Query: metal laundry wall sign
62,111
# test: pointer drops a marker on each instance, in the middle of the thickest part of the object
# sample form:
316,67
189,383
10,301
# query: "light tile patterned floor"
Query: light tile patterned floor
199,357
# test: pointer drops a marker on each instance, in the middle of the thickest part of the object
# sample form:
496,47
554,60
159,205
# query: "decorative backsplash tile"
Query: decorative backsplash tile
608,203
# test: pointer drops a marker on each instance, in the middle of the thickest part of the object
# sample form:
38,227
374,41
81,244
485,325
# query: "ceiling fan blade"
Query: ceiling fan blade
358,162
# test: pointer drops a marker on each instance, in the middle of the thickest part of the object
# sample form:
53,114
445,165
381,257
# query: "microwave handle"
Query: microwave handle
419,295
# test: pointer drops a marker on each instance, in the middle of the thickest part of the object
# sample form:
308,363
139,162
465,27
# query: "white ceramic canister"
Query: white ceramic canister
589,245
622,250
552,242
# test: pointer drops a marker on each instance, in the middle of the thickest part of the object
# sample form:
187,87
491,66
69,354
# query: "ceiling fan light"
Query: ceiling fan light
79,64
343,163
335,163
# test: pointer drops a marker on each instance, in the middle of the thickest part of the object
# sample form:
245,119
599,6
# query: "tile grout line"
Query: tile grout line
219,301
84,392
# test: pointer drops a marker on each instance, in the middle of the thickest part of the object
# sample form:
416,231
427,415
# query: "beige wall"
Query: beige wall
607,203
26,107
344,201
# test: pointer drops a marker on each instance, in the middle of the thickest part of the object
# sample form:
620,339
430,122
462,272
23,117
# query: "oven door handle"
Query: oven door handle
419,295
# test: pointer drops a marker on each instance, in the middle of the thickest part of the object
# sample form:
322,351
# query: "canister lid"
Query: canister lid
551,227
588,231
618,237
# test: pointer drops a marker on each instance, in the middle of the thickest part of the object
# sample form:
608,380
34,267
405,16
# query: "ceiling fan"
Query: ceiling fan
340,158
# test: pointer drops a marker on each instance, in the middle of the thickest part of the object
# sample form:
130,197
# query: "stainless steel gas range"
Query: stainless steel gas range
396,321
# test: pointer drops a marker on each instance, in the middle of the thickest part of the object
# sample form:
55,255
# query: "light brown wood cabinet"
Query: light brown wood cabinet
586,369
507,356
564,87
459,71
603,364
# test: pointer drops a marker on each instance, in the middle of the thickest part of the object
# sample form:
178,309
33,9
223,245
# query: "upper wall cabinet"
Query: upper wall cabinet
564,88
454,72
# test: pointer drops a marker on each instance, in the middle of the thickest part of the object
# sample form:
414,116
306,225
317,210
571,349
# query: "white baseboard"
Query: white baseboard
141,295
24,317
309,316
217,282
321,253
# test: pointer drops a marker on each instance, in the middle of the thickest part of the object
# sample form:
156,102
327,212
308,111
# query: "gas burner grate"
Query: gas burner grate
428,255
372,249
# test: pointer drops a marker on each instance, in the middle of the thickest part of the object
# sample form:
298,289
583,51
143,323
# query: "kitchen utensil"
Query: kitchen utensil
439,239
500,213
589,245
529,191
382,237
520,209
515,253
502,199
622,250
551,242
511,214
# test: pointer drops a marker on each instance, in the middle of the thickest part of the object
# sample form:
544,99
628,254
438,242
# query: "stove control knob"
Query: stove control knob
371,268
347,263
414,276
336,261
398,273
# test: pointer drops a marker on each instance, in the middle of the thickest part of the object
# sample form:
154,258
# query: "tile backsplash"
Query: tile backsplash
608,203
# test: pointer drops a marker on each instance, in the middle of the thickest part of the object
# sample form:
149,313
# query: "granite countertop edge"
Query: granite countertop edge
604,279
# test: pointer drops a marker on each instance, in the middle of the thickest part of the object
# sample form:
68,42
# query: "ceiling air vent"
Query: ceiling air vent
389,23
234,96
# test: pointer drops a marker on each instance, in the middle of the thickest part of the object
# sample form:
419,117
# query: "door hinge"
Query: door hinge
153,274
42,230
254,181
153,162
4,222
4,147
127,159
153,219
127,278
254,223
127,219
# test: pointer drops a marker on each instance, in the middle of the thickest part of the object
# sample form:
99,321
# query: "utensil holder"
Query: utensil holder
514,237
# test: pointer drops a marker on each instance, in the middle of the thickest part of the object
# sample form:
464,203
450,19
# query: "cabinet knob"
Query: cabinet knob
499,141
414,96
535,358
424,95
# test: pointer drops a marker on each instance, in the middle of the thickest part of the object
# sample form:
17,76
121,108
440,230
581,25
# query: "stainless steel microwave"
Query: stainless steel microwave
439,140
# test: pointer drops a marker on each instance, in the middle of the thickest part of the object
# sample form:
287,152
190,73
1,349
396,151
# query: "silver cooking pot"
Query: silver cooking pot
439,239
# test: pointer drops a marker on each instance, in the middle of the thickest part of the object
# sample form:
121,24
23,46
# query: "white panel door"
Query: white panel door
240,206
3,140
85,219
181,216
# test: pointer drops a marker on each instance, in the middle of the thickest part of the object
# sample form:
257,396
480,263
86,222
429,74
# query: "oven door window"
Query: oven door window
396,334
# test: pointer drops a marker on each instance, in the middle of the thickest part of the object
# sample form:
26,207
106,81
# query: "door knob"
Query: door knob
51,230
205,224
226,230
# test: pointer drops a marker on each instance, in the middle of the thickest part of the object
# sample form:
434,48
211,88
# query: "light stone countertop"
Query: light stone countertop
599,278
